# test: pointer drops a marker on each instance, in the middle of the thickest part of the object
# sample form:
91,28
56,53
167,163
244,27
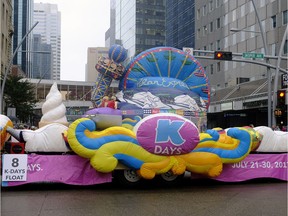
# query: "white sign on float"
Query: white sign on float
188,50
14,167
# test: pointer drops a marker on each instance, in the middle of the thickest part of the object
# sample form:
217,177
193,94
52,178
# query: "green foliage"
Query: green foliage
20,94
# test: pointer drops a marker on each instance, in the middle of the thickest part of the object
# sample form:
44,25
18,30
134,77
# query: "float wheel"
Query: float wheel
169,178
127,177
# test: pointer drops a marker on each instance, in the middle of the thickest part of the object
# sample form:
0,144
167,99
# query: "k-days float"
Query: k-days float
155,129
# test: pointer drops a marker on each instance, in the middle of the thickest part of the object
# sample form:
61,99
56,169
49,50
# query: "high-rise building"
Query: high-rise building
49,28
140,24
213,24
23,21
110,33
6,32
93,54
41,61
180,23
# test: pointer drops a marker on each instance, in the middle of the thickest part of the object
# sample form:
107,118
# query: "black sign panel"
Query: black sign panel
284,80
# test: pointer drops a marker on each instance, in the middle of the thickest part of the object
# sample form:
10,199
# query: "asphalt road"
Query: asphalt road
190,197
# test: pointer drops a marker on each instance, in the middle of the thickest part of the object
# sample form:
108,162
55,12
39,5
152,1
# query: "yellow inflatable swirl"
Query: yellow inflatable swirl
106,148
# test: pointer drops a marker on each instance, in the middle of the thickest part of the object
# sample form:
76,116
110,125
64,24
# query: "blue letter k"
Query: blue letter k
169,130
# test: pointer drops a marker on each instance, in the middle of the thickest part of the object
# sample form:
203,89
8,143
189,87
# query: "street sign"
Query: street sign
252,55
284,81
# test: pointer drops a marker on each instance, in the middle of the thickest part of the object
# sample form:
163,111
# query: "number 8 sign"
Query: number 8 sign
14,167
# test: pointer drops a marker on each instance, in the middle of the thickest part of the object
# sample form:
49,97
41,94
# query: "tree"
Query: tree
20,94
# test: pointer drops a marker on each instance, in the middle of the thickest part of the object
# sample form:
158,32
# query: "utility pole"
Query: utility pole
269,78
2,85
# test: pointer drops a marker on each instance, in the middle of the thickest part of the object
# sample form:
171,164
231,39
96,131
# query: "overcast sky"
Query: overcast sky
83,25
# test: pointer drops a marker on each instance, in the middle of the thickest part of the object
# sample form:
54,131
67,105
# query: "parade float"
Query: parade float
154,127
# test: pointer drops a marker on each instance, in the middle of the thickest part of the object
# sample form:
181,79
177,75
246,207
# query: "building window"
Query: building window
226,66
204,10
217,3
210,6
204,30
250,7
211,69
273,21
218,66
198,14
211,26
285,17
198,33
273,47
218,23
286,47
242,10
218,45
234,15
211,46
234,39
225,20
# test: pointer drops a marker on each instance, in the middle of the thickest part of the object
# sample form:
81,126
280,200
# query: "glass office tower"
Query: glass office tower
180,23
140,24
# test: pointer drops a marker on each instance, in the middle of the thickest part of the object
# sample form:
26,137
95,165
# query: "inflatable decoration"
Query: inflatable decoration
107,148
109,69
115,144
130,123
104,117
167,134
117,53
272,141
231,147
154,126
52,126
48,138
4,123
165,78
53,109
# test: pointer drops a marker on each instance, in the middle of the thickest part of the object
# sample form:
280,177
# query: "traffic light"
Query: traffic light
281,98
223,55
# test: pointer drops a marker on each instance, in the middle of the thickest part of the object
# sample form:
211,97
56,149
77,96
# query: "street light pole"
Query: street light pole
277,72
267,61
2,85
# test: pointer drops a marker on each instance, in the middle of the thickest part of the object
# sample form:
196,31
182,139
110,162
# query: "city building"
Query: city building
93,54
41,62
140,24
180,23
23,21
110,33
6,32
49,28
240,105
76,97
233,26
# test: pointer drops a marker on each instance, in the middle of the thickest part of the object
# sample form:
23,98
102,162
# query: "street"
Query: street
190,197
